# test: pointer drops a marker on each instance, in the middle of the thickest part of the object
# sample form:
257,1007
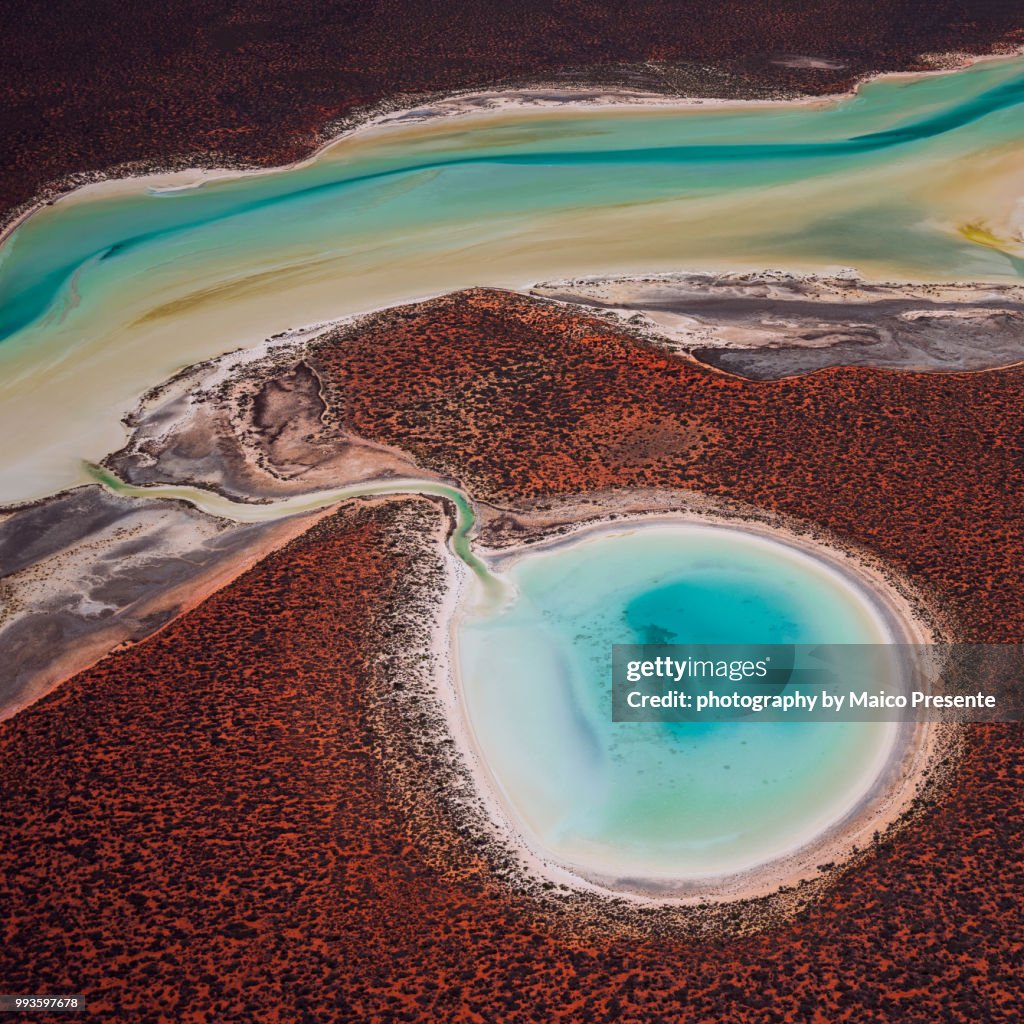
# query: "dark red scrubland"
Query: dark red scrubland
201,827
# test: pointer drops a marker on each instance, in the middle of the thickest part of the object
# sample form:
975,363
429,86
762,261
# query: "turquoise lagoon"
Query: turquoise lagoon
653,805
112,289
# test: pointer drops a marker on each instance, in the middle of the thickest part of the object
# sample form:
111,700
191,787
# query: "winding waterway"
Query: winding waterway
118,285
215,504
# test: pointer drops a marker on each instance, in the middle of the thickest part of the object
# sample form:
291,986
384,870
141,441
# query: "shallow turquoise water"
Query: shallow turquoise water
463,175
661,801
475,175
106,293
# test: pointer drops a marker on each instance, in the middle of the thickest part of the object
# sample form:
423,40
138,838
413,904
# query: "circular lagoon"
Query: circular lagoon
662,807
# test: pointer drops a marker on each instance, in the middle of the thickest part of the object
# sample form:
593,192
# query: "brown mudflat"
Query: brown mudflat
772,325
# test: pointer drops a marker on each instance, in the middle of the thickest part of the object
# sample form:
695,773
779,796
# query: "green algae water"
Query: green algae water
117,286
656,804
258,512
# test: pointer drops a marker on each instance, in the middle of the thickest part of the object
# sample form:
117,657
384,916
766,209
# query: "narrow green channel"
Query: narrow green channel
250,512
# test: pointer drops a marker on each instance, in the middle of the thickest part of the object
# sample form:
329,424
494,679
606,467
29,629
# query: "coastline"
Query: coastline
204,176
137,342
910,760
467,103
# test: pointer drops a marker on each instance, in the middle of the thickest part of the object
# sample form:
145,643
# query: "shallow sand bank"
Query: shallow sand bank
98,353
467,103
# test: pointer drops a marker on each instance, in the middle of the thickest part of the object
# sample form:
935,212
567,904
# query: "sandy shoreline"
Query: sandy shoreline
914,750
479,104
155,330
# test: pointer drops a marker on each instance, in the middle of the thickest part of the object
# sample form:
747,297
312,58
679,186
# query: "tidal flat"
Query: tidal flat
117,286
764,326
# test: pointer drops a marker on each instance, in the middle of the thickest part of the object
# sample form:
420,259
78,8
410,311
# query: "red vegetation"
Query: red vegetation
200,828
86,88
518,399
